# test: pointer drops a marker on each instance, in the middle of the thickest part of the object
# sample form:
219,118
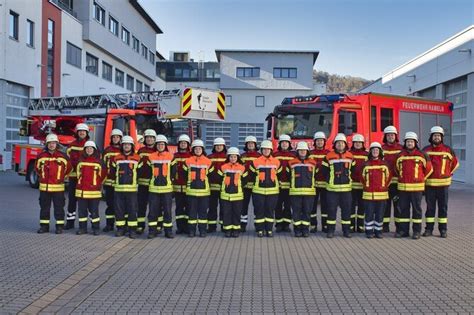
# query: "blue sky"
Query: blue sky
364,38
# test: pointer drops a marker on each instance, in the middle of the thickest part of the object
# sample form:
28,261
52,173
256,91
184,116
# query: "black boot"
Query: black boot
269,233
286,227
235,234
279,228
428,233
81,232
243,228
59,229
202,233
313,230
443,234
69,225
96,232
169,234
120,232
379,235
330,234
43,229
108,228
416,235
347,234
298,233
228,234
306,233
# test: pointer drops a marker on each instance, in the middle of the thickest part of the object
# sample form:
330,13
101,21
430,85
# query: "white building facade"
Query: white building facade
446,72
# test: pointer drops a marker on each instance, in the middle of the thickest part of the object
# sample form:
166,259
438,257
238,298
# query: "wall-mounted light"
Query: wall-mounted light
466,50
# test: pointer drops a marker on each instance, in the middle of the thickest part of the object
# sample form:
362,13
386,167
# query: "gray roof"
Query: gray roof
315,53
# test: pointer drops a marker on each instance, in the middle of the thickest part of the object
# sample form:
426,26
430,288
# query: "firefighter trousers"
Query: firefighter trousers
410,203
357,211
321,197
264,211
181,212
126,206
374,212
301,207
71,202
231,211
392,201
109,211
198,213
86,207
45,200
436,195
244,216
283,209
214,205
343,200
143,196
160,206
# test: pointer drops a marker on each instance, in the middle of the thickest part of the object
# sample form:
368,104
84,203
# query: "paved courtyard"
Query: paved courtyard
103,274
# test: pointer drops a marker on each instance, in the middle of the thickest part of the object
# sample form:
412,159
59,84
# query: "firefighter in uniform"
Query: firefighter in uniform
52,167
318,154
444,163
375,178
233,174
217,157
161,188
283,207
198,167
111,151
302,189
357,210
265,189
337,167
91,172
144,175
74,152
391,148
179,183
125,167
413,168
249,155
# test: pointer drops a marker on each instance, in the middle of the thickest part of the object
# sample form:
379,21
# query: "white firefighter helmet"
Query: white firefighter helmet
358,138
390,129
149,133
161,138
266,144
116,132
250,139
411,135
219,141
90,144
82,127
340,137
233,150
375,144
127,139
319,135
302,145
197,143
52,138
184,137
284,138
437,129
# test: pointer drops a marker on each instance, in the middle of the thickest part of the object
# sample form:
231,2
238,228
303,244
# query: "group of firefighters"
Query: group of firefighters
285,186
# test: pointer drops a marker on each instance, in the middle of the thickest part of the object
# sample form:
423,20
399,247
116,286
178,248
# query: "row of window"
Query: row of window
125,35
259,101
278,73
14,29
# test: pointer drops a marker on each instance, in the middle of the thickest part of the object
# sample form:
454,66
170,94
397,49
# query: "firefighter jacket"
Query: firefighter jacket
52,169
390,154
232,181
125,168
217,159
198,169
375,177
248,157
179,176
266,170
444,164
160,164
74,152
91,173
144,173
109,153
337,171
360,156
284,157
318,156
302,177
413,168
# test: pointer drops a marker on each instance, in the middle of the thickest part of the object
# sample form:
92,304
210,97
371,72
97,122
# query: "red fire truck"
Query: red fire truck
168,112
367,114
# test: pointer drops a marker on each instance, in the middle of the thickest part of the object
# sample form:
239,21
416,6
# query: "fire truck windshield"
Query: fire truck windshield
172,129
303,125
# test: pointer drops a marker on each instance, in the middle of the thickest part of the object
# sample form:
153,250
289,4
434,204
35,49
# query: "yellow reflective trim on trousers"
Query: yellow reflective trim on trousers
353,216
430,220
279,221
167,225
60,222
44,221
323,215
361,216
297,223
345,222
120,223
400,220
228,227
178,217
215,186
212,222
443,220
160,219
339,188
95,220
141,219
132,223
387,220
313,215
331,222
286,220
83,219
153,223
416,220
144,181
110,216
259,221
269,220
202,221
192,221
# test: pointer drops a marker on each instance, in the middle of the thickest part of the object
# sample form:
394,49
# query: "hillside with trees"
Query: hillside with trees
339,84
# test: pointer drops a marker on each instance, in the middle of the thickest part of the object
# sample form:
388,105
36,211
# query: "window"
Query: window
139,86
125,36
228,100
212,73
373,118
99,14
248,72
73,55
144,52
147,88
50,63
13,29
186,73
386,117
347,122
152,57
136,44
259,101
113,26
130,82
30,33
119,77
106,71
284,73
178,73
92,64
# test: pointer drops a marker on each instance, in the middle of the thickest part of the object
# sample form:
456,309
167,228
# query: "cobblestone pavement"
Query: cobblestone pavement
103,274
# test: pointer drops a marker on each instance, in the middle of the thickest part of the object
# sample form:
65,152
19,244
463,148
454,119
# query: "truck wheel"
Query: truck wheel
32,176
